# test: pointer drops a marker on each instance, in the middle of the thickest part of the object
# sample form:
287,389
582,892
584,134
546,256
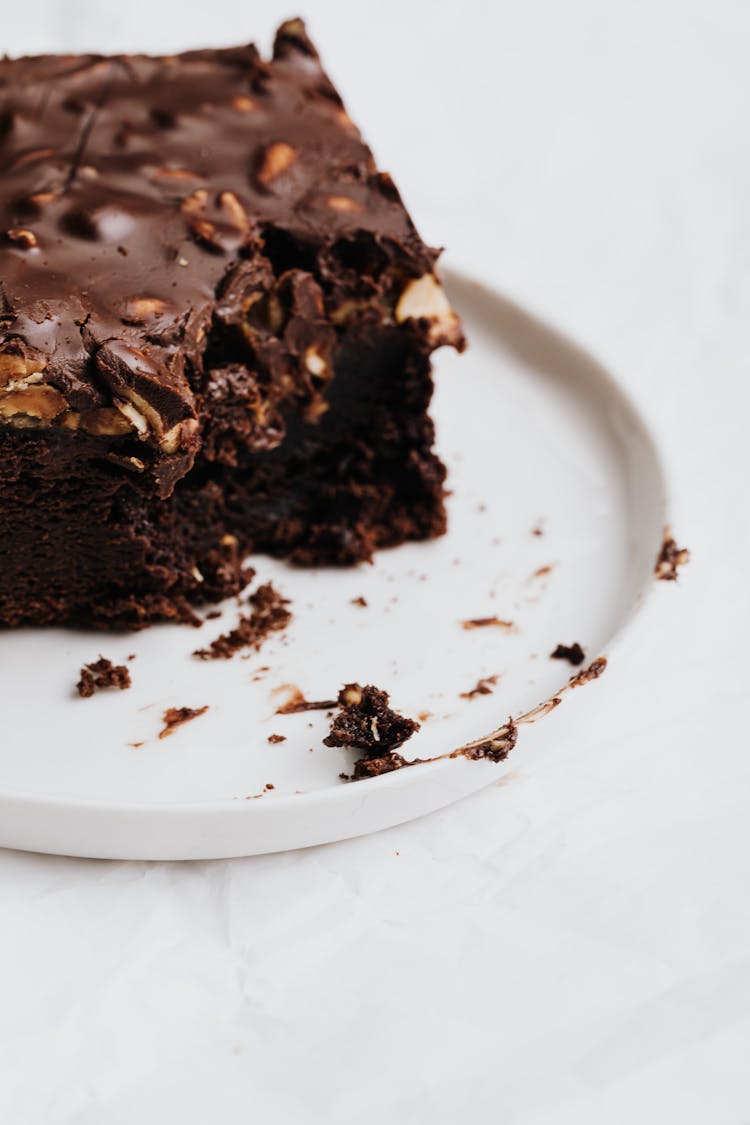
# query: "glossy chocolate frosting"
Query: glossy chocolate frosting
147,200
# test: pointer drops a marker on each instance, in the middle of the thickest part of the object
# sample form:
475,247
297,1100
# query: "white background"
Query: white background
574,944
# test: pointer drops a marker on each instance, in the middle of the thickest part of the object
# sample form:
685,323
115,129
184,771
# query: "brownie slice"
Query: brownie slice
216,319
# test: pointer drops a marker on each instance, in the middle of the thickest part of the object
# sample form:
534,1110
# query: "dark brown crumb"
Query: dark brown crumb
296,702
269,616
574,654
174,717
269,785
482,687
367,723
102,673
670,557
212,615
360,601
494,749
275,738
593,672
374,767
542,571
135,745
131,656
483,622
537,530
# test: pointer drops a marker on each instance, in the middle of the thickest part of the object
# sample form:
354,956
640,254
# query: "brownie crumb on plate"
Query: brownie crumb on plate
374,767
542,571
485,622
669,559
175,717
276,738
482,687
270,615
367,723
574,654
102,673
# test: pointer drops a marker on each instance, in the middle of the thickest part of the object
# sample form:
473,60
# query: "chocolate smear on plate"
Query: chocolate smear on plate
482,687
175,717
296,702
485,622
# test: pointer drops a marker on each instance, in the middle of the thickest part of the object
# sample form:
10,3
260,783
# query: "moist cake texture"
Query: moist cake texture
216,318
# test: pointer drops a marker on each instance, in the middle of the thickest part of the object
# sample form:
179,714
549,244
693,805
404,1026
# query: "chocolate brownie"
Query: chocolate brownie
216,320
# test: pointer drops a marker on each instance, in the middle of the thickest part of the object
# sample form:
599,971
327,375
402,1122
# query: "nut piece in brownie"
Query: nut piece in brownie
216,318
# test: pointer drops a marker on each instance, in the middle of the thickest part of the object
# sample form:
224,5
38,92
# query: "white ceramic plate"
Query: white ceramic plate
536,436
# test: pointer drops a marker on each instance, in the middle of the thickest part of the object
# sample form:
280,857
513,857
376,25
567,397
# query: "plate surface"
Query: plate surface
556,514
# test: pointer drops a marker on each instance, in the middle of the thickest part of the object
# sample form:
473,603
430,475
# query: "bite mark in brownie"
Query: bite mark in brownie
215,328
100,674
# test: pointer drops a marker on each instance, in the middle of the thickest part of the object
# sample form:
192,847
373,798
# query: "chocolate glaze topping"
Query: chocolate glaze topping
149,202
